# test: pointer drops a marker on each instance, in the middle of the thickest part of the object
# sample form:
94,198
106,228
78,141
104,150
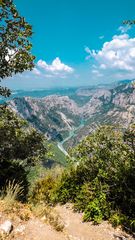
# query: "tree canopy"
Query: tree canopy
15,45
21,147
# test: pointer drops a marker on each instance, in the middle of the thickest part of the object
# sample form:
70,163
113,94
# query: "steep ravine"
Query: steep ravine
72,133
59,117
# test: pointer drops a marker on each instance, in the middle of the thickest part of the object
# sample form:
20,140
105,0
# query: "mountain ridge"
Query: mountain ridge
57,115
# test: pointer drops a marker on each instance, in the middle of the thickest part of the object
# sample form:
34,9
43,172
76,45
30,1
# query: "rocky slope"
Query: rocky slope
57,115
53,115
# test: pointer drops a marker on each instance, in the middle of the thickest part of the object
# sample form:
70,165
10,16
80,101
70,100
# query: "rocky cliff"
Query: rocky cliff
57,115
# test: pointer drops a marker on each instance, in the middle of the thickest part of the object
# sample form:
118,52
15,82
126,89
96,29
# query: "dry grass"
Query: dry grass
15,211
49,215
11,192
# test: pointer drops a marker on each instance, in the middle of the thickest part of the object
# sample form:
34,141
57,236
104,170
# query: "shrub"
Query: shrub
100,180
83,197
98,209
117,219
67,186
41,191
93,212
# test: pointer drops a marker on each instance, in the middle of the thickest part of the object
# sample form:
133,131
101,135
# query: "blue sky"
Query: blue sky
78,42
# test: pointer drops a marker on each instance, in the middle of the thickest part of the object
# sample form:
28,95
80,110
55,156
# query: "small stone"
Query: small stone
6,227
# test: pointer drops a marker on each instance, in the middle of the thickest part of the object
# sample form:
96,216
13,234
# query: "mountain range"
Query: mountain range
67,118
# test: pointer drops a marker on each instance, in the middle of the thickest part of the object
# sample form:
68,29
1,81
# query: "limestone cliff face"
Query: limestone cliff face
53,115
56,115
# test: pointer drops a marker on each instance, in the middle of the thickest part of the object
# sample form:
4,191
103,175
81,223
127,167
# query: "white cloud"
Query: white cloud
87,50
36,71
90,53
116,58
55,67
124,28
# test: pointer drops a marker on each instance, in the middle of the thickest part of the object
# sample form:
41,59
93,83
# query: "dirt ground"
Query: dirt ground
74,229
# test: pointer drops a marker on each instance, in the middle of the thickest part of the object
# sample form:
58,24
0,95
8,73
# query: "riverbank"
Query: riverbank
72,133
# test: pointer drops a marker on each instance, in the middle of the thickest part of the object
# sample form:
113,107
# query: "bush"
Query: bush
67,186
93,212
83,197
118,219
100,180
41,191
